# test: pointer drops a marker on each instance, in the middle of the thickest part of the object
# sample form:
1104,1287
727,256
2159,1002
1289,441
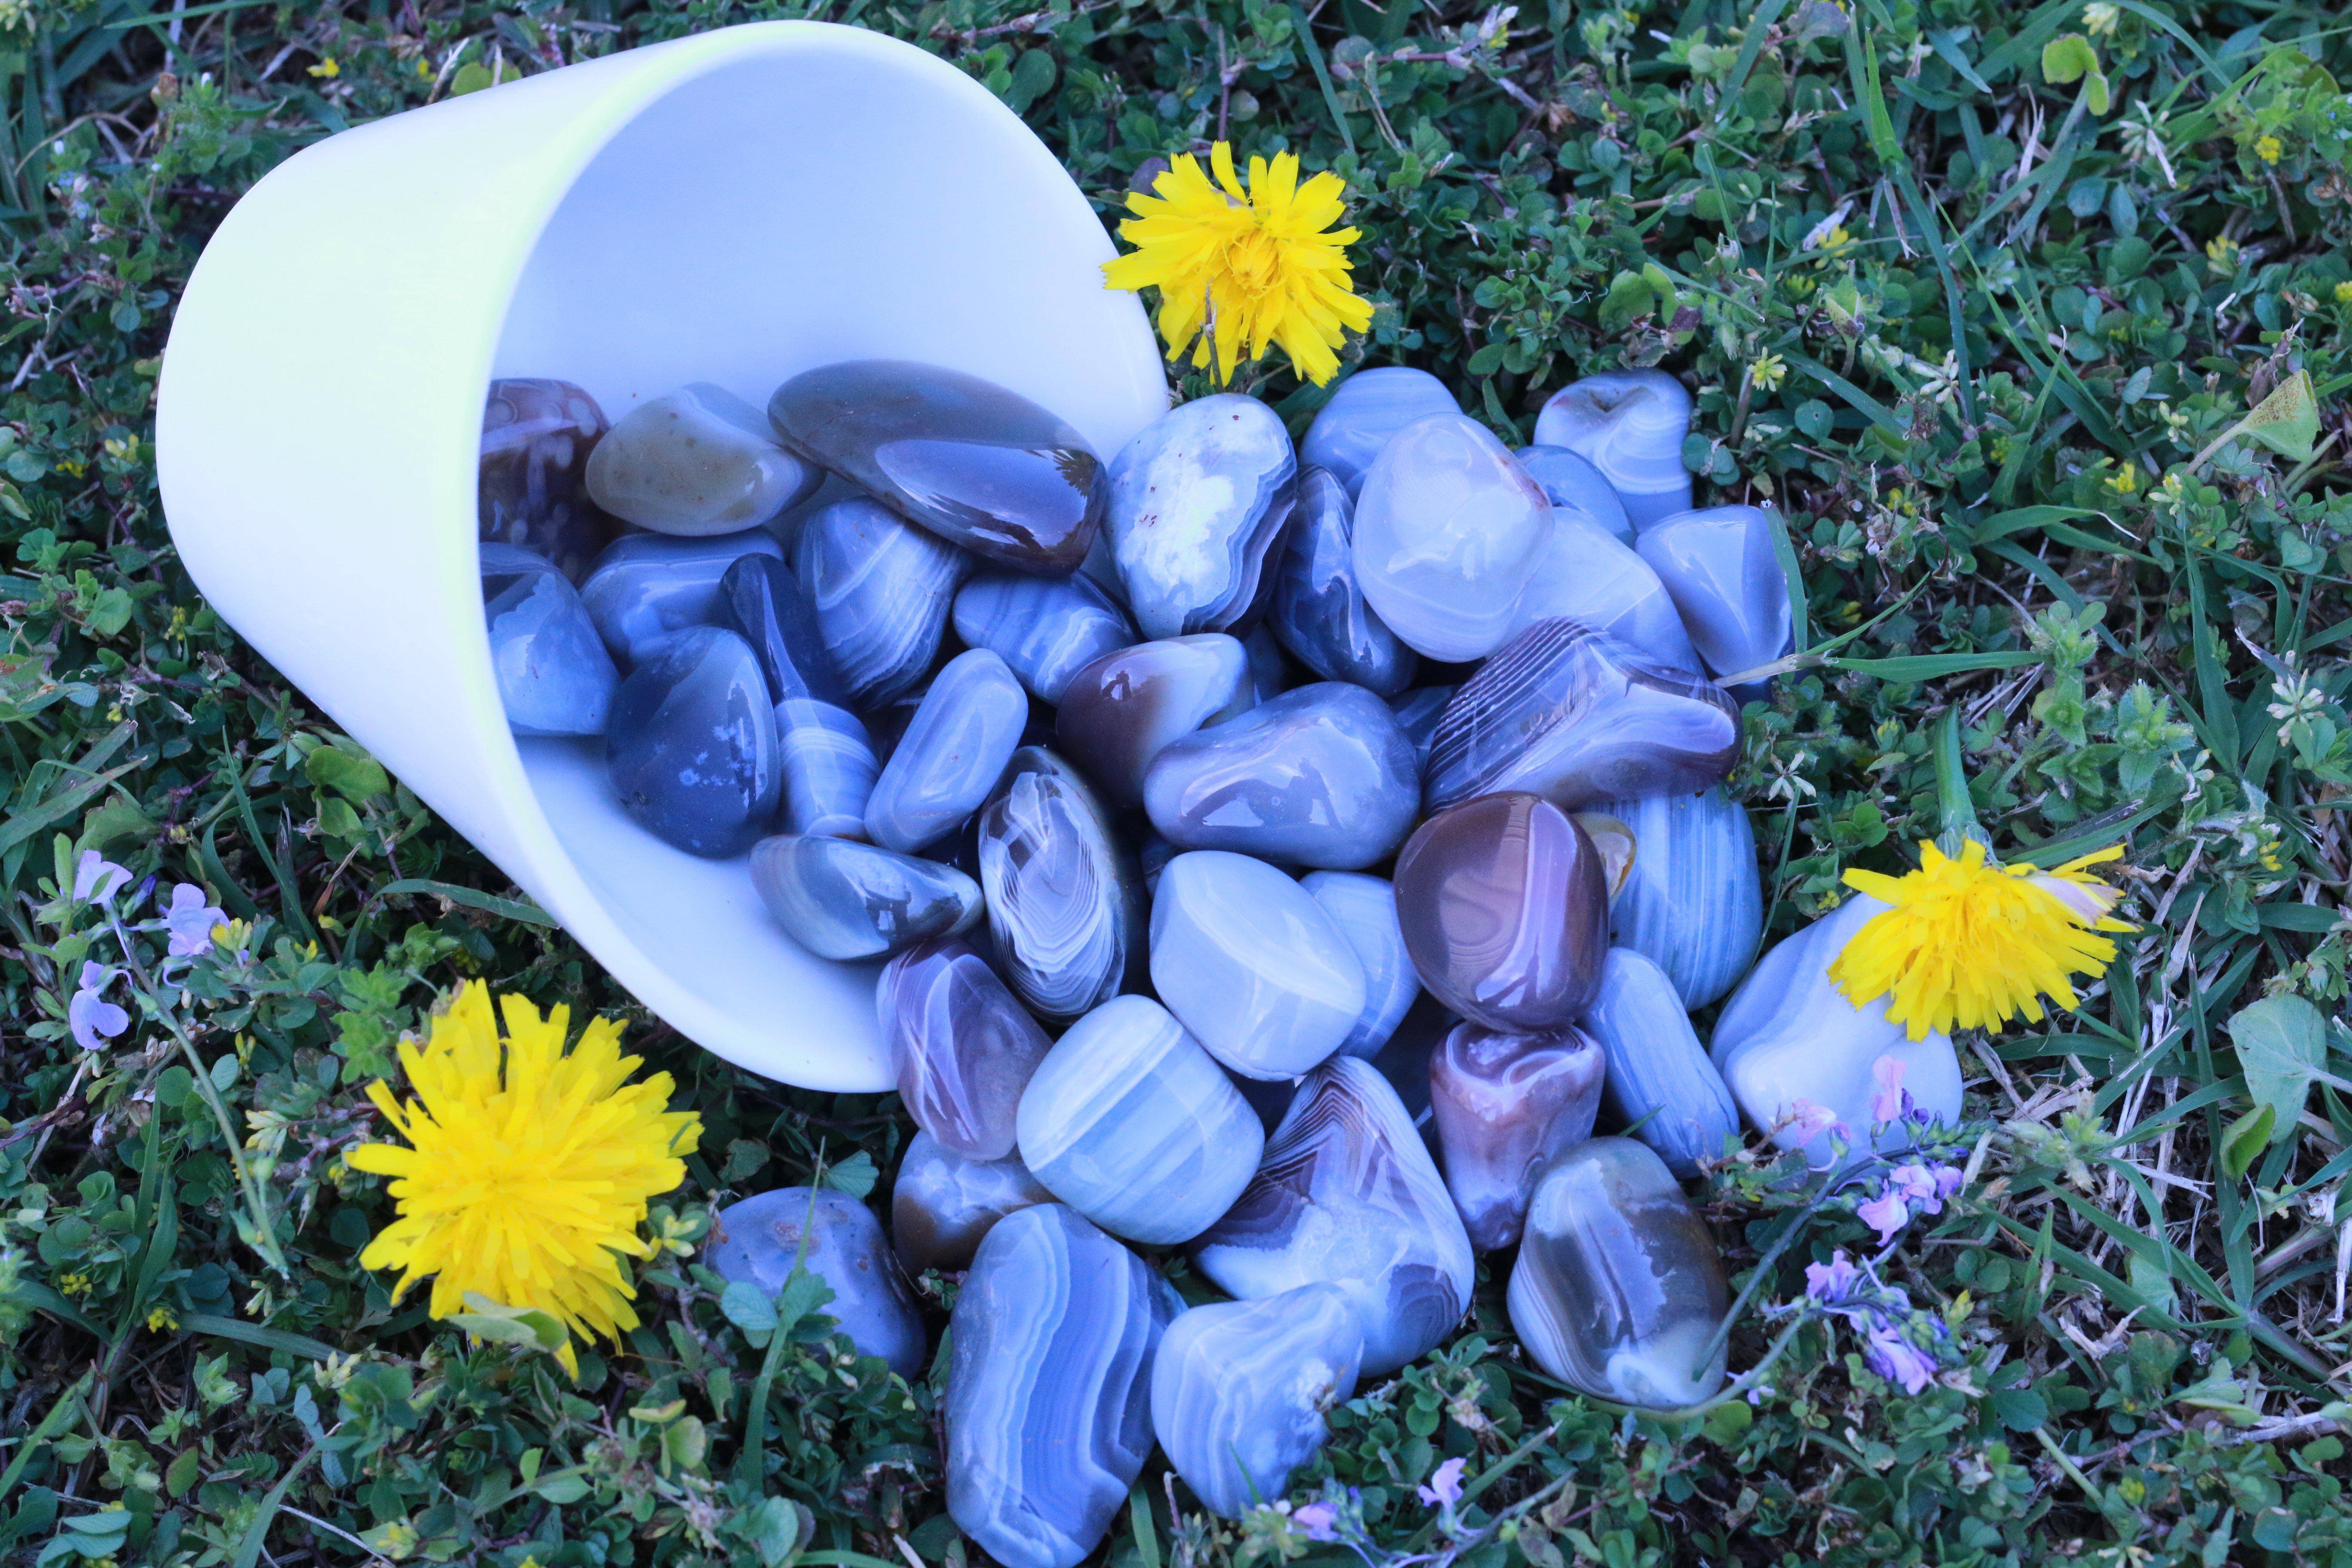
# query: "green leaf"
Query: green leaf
856,1175
2068,57
2244,1141
747,1307
2020,1409
530,1328
1727,1422
472,76
2282,1044
358,779
1930,666
2287,421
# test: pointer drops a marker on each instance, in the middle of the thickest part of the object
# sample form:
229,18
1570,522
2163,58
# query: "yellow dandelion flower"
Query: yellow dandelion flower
1239,268
1971,945
527,1177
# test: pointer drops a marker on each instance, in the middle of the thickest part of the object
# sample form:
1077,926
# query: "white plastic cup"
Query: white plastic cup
734,207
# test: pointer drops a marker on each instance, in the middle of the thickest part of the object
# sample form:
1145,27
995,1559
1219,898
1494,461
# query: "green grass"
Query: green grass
1983,337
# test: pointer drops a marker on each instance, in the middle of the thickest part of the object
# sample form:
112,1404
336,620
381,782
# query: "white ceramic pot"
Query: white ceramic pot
733,207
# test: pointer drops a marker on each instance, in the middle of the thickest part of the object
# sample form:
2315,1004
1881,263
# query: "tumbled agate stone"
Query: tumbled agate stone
1660,1085
647,588
1240,1390
840,898
1364,413
537,437
981,467
829,766
1505,1104
953,753
1198,501
1047,629
554,676
1576,488
1252,964
1417,712
835,1237
1617,845
1692,900
1364,909
1578,717
965,1047
1118,712
942,1204
691,743
1590,576
1726,580
1348,1196
697,460
1048,1408
1131,1123
1630,424
1319,611
1064,904
1447,531
882,591
1504,910
1619,1286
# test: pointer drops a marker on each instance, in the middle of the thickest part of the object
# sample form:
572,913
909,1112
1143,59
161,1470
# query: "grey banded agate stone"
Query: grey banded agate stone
1630,424
979,466
1616,841
1048,1409
840,898
1417,712
1064,904
1661,1086
553,674
1253,966
1577,488
1131,1123
1504,909
828,757
1596,579
1726,581
1806,1065
647,588
1364,909
1241,1391
537,437
965,1047
1047,629
1320,776
882,591
1364,413
1118,712
694,462
1319,611
1448,530
942,1204
1576,716
1505,1105
1348,1196
1198,501
759,1240
1694,900
1619,1286
953,753
690,744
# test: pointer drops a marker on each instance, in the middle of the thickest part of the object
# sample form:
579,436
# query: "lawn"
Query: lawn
2035,322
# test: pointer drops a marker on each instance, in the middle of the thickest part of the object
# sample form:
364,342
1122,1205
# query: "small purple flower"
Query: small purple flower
92,1018
96,878
1896,1359
1316,1520
1887,1102
1832,1281
1445,1488
192,920
1924,1187
1948,1180
1885,1213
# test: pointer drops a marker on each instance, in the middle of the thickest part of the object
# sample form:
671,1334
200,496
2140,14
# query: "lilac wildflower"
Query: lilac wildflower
1885,1213
1889,1101
1445,1488
1895,1358
1834,1282
1925,1187
1317,1519
192,920
96,878
92,1018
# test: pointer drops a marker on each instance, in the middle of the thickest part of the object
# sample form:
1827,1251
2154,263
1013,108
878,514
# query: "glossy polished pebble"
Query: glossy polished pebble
829,766
1241,1391
1577,487
1253,966
942,1204
1118,711
953,752
1364,909
1726,580
1590,576
1319,611
1131,1123
1320,776
965,1047
1048,1408
647,588
979,466
1065,905
1504,910
1619,1286
840,898
1364,413
1348,1196
1505,1104
882,590
1617,845
760,1240
1448,529
691,743
1630,424
1578,717
554,676
1417,712
1045,628
1693,901
695,461
1198,500
1807,1065
1660,1082
537,437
